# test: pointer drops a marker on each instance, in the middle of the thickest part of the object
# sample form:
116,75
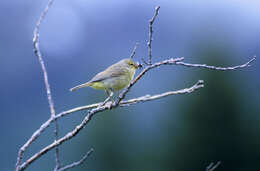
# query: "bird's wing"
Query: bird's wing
110,72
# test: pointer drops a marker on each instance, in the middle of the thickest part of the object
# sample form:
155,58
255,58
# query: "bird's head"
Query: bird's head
131,63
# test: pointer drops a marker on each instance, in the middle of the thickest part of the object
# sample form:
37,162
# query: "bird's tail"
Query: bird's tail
80,86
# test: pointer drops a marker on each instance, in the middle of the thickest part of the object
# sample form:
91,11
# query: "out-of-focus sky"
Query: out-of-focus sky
80,38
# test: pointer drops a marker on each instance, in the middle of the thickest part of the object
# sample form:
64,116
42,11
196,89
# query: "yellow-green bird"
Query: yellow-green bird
114,78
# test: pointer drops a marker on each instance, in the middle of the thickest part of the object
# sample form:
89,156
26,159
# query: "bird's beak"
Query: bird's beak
138,65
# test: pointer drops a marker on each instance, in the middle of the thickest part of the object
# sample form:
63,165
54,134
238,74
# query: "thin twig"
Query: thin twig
94,111
212,166
146,98
247,64
134,51
145,63
74,164
149,43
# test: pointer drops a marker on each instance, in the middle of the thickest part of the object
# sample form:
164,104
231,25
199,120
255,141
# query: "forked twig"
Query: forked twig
77,163
247,64
149,43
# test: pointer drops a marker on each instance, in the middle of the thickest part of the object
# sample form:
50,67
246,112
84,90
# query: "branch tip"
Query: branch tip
251,60
149,43
74,164
200,82
212,166
247,64
134,50
157,8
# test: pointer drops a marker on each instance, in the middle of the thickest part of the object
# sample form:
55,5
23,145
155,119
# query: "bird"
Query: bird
112,79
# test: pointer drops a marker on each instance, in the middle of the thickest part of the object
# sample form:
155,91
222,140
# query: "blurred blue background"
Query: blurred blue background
181,133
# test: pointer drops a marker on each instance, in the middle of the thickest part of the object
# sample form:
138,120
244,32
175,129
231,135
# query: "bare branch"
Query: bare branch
37,52
149,43
134,50
46,82
119,102
212,166
74,164
94,111
144,98
247,64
